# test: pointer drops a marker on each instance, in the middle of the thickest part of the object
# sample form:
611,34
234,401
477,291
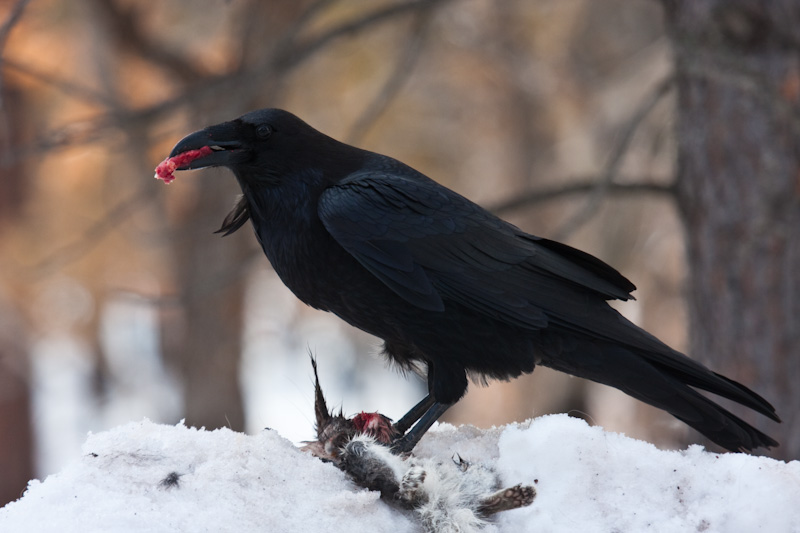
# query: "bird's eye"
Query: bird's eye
263,131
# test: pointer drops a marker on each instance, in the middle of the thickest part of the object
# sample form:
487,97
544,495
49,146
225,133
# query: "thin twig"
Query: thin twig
68,87
303,51
73,134
253,52
92,236
126,29
615,160
13,17
277,67
289,38
213,284
525,200
395,82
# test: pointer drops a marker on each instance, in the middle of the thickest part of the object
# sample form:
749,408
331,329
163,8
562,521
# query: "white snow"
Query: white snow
587,480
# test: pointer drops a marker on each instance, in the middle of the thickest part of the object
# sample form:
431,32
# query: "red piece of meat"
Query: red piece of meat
166,169
375,425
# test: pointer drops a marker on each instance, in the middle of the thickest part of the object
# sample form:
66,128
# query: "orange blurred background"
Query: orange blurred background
118,302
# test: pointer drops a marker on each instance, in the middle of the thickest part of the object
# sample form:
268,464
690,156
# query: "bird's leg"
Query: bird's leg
407,442
401,426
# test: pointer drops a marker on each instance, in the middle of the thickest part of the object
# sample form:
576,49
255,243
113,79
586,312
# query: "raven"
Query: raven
449,287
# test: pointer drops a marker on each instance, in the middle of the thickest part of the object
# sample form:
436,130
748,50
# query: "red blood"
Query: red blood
166,169
375,425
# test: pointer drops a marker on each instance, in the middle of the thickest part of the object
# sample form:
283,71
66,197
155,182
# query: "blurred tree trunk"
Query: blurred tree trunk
203,344
738,133
208,351
16,425
16,431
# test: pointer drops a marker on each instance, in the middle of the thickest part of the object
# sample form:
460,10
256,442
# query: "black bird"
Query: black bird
448,286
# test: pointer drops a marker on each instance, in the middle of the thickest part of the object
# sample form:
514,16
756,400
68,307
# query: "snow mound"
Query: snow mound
149,477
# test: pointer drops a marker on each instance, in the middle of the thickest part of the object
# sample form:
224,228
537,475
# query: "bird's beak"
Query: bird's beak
220,139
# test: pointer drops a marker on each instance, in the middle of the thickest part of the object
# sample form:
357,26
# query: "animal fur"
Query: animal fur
448,497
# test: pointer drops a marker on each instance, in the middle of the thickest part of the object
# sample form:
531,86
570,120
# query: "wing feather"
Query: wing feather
429,245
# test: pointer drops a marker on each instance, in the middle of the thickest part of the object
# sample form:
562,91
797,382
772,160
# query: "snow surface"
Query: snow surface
587,480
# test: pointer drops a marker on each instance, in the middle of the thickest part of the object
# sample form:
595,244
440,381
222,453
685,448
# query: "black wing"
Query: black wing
429,244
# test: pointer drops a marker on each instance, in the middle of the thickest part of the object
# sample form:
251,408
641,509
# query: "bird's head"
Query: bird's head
263,147
270,151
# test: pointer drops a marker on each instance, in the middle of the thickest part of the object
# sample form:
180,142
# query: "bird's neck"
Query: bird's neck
289,230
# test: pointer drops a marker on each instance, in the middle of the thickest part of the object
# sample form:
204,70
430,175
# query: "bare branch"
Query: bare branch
210,285
394,83
302,52
73,134
5,30
124,26
525,200
68,87
13,17
615,160
289,37
92,236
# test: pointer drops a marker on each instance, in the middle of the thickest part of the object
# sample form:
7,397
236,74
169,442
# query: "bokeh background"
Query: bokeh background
118,302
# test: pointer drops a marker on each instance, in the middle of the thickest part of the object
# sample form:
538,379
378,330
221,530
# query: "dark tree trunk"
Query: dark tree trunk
16,421
738,133
207,350
16,431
